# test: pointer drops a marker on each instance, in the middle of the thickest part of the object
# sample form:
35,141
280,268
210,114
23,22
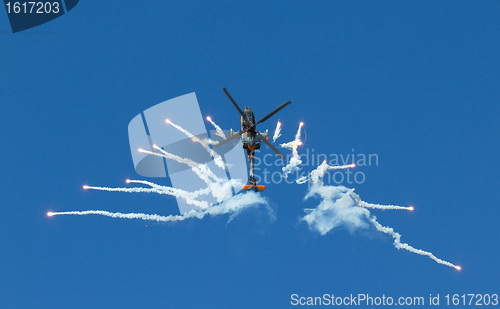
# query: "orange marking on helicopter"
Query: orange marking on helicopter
252,148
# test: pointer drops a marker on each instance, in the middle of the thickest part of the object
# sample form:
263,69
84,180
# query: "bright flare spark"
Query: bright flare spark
233,206
205,143
220,190
399,245
202,170
86,187
218,130
338,208
377,206
187,196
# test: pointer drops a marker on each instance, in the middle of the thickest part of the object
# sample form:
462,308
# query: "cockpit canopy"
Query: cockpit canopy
249,118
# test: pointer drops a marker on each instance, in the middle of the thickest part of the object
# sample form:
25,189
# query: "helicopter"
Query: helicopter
251,139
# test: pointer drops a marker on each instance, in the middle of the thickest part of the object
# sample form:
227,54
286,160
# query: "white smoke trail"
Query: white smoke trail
399,245
376,206
338,207
277,131
182,130
292,166
193,194
218,130
202,167
210,142
187,196
301,180
171,156
291,145
234,206
320,171
295,161
219,189
297,136
204,143
129,190
202,170
223,190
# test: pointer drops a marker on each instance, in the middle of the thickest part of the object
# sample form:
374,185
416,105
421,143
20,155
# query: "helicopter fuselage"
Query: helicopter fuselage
251,139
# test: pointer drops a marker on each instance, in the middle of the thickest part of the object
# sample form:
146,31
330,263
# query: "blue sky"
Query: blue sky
416,83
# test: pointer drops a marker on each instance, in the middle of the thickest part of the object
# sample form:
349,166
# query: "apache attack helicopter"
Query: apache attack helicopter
251,138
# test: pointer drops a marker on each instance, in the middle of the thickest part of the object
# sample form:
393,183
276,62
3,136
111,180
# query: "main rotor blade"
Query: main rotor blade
236,135
273,112
262,138
234,103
